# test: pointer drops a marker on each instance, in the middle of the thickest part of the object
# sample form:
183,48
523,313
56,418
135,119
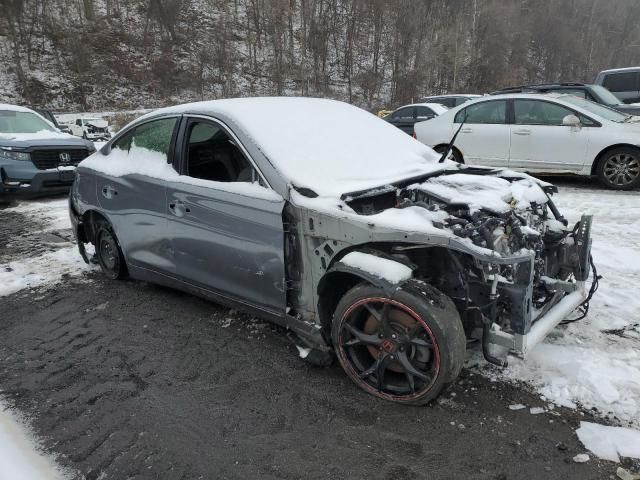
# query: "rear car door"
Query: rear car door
540,141
404,119
225,222
484,137
624,85
133,196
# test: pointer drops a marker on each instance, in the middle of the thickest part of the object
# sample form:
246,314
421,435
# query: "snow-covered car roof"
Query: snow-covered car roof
15,108
327,146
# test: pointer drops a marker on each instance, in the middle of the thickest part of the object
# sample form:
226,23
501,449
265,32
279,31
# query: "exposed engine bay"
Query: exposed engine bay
528,259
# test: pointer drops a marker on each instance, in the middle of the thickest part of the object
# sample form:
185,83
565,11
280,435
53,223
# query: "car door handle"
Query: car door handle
466,130
522,132
178,208
108,191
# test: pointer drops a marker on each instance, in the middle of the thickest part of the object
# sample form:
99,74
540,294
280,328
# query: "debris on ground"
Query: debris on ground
581,458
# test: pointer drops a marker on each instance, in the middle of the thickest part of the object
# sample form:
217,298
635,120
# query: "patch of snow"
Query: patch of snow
303,352
20,458
536,410
581,458
328,146
55,212
393,272
47,268
154,164
517,406
609,443
596,362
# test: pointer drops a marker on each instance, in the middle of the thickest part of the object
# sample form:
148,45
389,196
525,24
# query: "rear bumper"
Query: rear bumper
24,180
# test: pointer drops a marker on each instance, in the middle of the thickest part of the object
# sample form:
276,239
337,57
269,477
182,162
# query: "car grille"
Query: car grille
44,159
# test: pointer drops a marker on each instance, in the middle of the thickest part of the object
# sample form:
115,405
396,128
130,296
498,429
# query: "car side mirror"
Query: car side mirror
571,121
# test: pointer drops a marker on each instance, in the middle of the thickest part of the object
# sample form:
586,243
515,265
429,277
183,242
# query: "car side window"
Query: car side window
424,113
492,112
535,112
154,136
211,154
622,82
403,113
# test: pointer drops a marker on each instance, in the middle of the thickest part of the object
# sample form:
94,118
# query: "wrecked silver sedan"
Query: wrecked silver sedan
322,218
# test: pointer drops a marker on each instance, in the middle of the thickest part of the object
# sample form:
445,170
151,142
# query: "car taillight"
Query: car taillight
414,135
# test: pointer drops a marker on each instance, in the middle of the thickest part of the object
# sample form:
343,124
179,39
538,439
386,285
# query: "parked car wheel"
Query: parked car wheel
454,155
108,251
620,168
404,349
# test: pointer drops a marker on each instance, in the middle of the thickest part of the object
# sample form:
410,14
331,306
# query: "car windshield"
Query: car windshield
605,95
599,110
12,121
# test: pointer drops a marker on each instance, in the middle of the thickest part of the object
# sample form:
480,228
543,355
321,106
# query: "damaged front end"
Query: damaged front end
508,260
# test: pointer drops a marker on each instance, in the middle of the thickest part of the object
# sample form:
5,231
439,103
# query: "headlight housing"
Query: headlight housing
14,155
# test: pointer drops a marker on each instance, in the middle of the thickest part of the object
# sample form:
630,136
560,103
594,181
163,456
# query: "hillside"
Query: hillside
122,54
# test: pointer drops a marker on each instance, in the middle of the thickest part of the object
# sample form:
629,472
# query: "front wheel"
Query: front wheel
405,349
108,251
620,168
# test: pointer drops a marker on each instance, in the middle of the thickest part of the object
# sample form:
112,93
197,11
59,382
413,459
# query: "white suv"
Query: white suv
91,129
541,134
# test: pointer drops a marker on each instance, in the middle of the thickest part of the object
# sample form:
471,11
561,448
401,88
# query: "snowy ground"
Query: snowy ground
19,457
592,364
595,363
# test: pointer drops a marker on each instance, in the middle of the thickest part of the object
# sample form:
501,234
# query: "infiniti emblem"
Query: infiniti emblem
64,157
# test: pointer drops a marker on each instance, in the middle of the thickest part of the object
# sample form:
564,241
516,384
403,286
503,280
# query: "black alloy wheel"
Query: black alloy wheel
620,168
404,349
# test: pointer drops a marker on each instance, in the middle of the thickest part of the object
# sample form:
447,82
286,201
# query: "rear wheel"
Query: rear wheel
620,168
405,349
108,252
454,155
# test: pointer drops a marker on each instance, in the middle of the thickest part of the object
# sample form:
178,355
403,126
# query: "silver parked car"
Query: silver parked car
320,217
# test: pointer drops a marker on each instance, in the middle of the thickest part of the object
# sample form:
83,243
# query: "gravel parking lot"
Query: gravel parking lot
126,380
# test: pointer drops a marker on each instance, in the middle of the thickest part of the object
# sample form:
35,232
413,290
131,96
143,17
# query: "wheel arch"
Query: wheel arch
454,148
338,280
600,156
86,227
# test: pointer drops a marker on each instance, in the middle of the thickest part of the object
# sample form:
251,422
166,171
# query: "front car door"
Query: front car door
541,143
225,222
484,137
133,192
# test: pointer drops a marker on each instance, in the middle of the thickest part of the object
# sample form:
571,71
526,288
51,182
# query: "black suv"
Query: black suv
595,93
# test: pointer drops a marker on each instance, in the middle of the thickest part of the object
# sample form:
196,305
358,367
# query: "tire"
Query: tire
108,252
412,367
619,169
455,155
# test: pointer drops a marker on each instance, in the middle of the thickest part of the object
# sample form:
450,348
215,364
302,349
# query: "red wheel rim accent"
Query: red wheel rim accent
351,371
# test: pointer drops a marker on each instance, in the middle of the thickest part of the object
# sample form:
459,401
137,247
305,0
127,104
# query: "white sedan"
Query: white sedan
541,134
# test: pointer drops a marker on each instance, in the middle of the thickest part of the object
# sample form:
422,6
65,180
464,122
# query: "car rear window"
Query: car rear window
622,82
